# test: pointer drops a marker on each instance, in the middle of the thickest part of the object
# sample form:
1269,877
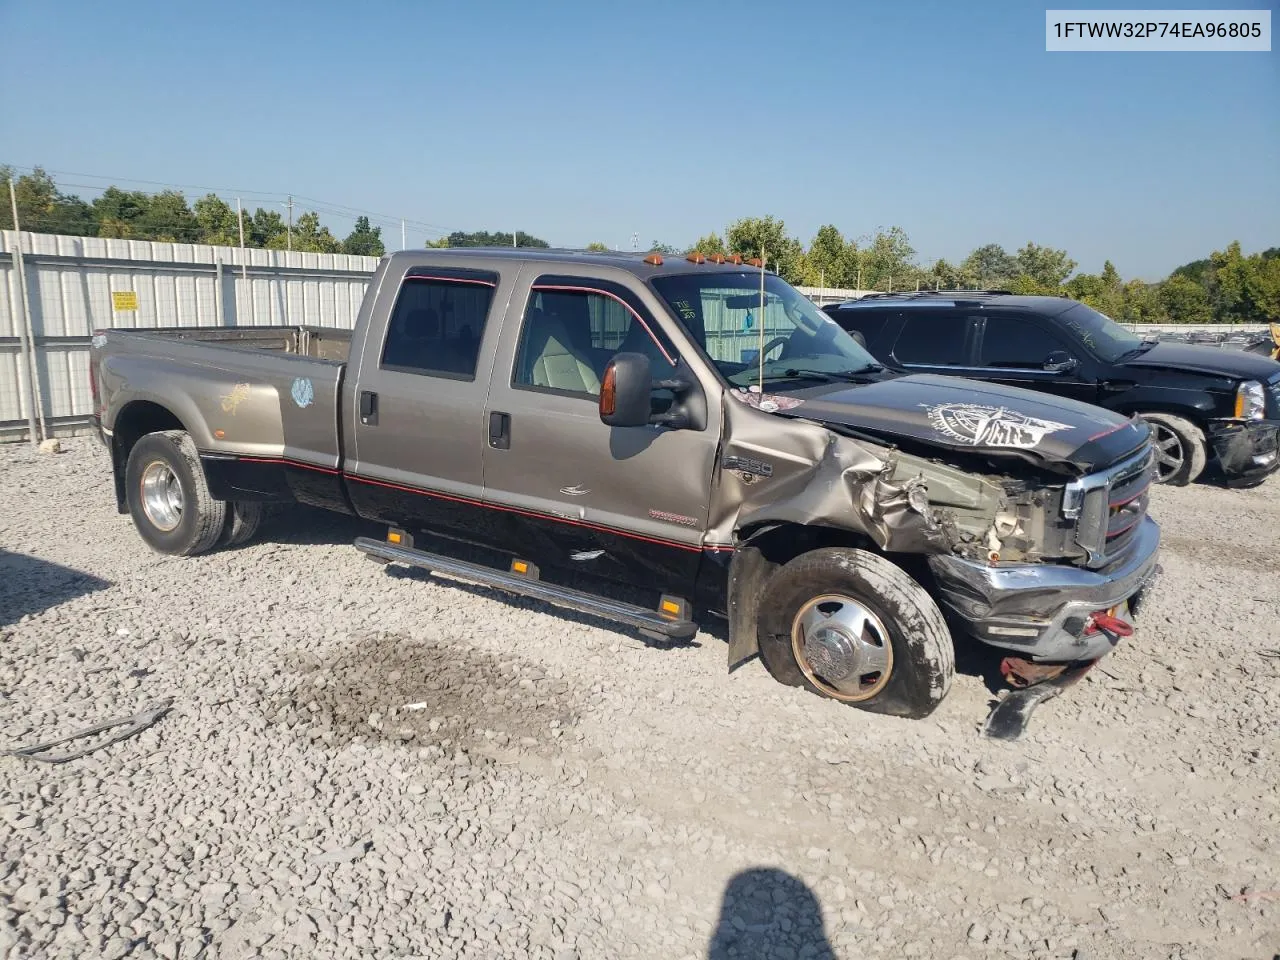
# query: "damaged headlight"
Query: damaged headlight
1251,401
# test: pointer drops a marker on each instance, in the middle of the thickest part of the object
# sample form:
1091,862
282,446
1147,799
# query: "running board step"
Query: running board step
644,619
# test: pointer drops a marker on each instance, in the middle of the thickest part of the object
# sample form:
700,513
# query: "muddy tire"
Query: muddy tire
244,517
168,497
849,625
1181,450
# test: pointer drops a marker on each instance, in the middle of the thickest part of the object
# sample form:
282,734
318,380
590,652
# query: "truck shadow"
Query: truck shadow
29,585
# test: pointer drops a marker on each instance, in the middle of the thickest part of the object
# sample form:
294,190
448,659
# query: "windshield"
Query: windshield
1100,333
722,311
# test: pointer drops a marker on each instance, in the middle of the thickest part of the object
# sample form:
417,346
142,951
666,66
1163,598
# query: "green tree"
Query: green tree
308,237
1230,286
264,227
1262,287
944,275
42,207
483,238
119,211
887,262
364,240
831,260
663,248
1185,300
710,244
595,246
783,253
217,222
1140,303
1043,268
166,217
989,267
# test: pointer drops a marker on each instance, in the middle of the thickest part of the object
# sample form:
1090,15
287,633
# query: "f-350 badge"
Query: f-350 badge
978,425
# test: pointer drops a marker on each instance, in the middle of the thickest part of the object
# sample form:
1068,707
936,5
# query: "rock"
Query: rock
51,445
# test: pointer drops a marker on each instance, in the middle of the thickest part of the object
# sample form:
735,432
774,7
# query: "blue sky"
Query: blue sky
594,121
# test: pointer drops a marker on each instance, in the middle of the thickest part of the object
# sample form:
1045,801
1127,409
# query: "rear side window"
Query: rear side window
438,322
1014,342
937,339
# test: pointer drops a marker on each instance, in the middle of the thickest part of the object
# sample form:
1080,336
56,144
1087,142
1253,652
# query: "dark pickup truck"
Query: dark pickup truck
1202,403
648,440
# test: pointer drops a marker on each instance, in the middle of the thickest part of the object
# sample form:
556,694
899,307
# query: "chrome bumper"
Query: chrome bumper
1041,610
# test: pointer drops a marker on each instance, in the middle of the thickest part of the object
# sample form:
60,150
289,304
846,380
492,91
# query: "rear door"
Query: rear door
415,405
624,504
1020,350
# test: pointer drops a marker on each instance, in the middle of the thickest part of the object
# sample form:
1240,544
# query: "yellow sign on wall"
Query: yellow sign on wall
124,300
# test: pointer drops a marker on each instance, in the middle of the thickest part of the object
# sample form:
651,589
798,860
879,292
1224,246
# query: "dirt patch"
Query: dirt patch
392,688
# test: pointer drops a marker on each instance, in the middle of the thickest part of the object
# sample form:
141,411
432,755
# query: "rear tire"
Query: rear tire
1181,449
849,625
244,517
168,497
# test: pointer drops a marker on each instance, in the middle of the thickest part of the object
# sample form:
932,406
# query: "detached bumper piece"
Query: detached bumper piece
1008,721
1248,450
651,622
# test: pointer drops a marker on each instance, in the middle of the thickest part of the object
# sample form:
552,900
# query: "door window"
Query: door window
935,338
437,324
1011,342
571,333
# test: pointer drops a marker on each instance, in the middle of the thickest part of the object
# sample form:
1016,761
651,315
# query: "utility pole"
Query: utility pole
515,238
635,242
290,206
36,409
404,239
244,258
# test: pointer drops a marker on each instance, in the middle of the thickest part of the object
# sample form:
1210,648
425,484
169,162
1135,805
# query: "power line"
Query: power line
329,207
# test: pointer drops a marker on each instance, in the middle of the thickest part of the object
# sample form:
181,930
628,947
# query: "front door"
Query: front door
417,398
1017,350
624,504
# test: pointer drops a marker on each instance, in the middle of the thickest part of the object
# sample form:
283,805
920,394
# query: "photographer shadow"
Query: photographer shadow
769,913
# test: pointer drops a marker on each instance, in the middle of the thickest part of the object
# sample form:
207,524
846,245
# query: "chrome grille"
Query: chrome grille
1109,506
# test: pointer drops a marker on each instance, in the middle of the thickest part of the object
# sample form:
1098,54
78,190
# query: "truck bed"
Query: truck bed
269,393
318,343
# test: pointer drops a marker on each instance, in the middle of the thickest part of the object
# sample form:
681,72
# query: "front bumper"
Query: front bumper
1041,610
1248,450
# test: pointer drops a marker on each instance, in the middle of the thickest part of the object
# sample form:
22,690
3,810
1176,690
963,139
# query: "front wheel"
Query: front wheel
1181,449
849,625
168,496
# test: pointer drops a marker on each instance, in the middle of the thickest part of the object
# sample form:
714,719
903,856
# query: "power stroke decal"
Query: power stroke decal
978,425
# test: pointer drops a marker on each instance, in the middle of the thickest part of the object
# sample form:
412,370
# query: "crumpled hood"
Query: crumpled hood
984,418
1235,364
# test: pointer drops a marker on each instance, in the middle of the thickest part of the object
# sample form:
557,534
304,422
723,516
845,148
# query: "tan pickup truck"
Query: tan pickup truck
652,440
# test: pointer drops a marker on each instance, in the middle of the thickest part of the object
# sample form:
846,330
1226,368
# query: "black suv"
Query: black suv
1198,400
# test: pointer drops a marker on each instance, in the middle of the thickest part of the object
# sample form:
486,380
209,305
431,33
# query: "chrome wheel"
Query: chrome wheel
1170,456
161,495
842,647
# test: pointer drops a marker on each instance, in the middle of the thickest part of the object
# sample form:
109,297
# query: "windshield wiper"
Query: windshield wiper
1136,351
836,374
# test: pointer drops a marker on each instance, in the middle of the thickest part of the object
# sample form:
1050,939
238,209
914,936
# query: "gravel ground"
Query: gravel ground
361,762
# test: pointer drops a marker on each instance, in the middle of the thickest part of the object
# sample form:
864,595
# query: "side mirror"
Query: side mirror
626,391
1059,361
858,338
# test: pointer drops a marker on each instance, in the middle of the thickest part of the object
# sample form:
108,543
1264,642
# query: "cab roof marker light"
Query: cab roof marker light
696,257
735,259
654,259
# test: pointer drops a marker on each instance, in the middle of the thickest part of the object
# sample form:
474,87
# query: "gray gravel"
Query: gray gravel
364,763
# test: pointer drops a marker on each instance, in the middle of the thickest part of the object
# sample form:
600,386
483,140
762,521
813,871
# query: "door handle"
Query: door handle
499,430
368,408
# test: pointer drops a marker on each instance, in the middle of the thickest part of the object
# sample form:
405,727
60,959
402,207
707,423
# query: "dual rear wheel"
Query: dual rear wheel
170,502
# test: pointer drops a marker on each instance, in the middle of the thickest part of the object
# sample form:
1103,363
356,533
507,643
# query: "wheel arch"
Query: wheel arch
762,549
134,421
